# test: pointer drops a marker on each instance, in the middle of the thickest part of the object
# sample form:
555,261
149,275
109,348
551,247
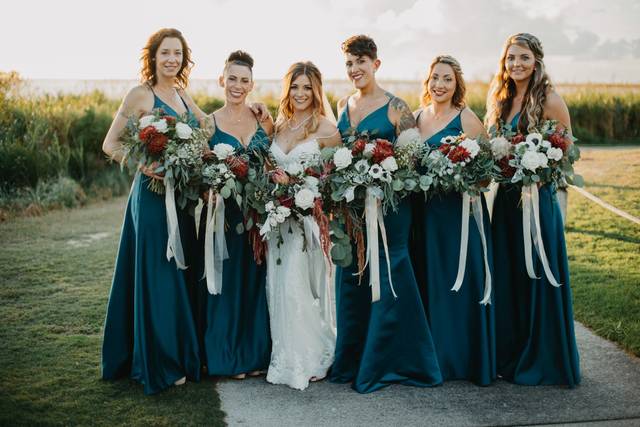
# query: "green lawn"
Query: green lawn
604,249
56,273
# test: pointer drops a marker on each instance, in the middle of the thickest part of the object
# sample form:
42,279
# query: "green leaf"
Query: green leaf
338,252
239,228
225,192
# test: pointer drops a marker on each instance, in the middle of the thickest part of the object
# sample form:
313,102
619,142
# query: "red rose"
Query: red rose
279,176
507,170
147,134
312,172
238,166
382,150
358,147
287,202
459,154
558,140
170,119
157,144
518,139
444,148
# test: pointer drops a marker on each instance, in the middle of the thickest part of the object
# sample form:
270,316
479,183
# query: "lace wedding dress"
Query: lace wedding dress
298,294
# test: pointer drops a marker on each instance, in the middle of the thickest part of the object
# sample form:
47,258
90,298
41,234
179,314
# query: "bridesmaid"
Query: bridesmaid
534,320
388,341
149,332
462,329
237,339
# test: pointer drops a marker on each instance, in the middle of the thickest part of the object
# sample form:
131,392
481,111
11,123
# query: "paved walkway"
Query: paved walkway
608,396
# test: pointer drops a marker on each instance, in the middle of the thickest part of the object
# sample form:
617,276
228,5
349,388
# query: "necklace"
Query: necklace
299,125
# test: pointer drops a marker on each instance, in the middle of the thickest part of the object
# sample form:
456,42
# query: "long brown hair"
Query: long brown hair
461,88
503,88
148,58
285,110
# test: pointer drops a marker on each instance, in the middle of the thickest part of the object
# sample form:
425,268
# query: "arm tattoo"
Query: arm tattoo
406,121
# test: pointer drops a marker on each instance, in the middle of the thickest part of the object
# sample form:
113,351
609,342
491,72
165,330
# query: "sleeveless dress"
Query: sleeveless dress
303,335
535,336
149,331
388,341
461,327
236,322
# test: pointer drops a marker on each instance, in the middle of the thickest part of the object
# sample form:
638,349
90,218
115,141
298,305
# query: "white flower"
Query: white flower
500,147
349,194
386,176
471,146
368,150
304,198
376,171
531,160
293,168
222,168
269,206
145,121
554,153
311,182
183,130
543,160
447,139
534,138
279,217
389,164
160,125
408,137
342,158
222,151
546,144
362,166
283,210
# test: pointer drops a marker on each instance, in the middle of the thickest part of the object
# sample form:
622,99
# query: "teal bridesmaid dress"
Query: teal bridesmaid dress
149,332
237,338
461,327
535,336
388,341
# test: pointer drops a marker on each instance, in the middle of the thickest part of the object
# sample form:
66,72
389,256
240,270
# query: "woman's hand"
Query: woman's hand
150,171
260,110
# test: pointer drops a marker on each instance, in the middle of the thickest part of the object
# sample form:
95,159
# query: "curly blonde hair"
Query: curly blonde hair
503,88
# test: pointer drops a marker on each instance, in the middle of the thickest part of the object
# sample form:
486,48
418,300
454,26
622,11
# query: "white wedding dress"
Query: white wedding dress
299,294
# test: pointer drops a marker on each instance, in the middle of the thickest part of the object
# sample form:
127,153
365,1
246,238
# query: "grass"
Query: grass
604,249
56,273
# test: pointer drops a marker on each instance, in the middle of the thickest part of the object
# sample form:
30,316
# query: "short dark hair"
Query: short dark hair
360,45
239,57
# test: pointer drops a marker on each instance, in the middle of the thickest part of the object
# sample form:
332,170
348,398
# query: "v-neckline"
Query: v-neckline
514,116
300,144
170,107
365,117
238,139
445,126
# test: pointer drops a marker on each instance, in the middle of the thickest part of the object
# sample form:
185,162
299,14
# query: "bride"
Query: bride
303,333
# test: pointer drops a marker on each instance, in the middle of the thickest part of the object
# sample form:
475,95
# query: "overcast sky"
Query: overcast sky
584,40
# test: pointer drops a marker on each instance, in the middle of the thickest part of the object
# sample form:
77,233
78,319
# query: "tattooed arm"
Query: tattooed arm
400,115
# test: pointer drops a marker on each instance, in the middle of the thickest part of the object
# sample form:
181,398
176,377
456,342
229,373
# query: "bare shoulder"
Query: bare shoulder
471,124
556,109
554,101
327,133
138,100
400,114
342,103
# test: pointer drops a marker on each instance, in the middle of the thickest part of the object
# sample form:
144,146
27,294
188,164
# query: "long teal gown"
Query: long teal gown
149,332
237,338
388,341
535,336
461,327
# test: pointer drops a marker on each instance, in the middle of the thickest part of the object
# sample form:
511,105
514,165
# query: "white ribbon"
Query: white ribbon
531,229
174,244
214,256
374,220
476,204
196,215
312,237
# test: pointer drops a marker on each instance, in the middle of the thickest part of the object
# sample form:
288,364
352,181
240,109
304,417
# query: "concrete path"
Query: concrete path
608,396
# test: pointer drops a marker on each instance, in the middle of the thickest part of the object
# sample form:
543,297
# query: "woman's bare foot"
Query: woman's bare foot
181,381
239,376
256,373
316,379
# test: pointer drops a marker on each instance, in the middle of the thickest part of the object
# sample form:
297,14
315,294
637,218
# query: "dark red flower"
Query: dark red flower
358,146
286,201
147,134
279,176
444,148
170,119
238,166
459,154
518,139
558,140
382,150
157,144
507,170
312,172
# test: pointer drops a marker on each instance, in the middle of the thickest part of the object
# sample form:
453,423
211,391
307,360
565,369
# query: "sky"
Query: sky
584,40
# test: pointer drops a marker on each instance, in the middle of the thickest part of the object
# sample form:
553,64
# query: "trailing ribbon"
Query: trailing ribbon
174,244
374,220
475,203
531,229
312,237
197,213
320,274
214,256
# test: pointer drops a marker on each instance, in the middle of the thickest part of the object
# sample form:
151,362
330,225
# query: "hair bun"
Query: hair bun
240,57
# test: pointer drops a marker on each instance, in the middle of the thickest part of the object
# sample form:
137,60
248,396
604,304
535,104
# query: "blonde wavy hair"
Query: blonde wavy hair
285,110
503,88
461,88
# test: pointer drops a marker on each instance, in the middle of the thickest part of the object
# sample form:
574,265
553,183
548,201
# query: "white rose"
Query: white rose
471,146
362,166
546,144
304,199
269,206
389,164
543,160
342,158
376,171
408,137
283,210
183,130
349,194
145,121
160,125
222,151
500,147
293,168
531,160
311,182
368,150
554,153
